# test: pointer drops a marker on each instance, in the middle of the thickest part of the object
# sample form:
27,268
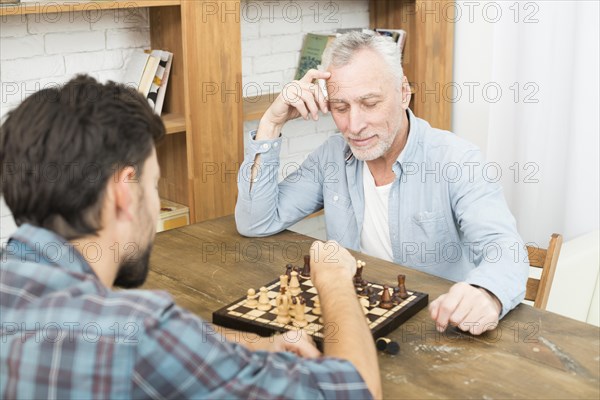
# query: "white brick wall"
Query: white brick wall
43,50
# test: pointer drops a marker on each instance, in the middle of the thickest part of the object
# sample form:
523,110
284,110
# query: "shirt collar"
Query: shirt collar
42,246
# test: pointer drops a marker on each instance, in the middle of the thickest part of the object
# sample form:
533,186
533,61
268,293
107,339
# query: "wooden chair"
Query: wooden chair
538,290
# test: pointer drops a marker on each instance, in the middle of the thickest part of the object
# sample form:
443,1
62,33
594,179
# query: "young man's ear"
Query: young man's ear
123,187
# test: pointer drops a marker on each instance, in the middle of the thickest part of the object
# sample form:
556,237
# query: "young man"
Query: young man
392,186
79,172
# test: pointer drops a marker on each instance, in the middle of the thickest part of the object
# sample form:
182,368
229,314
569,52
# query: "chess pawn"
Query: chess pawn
395,297
305,274
294,284
317,307
402,293
251,301
283,282
385,301
299,317
283,316
263,300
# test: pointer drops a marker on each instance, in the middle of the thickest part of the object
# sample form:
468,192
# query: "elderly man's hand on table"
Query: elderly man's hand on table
468,307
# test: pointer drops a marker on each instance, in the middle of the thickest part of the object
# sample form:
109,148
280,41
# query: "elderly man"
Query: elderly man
391,186
89,226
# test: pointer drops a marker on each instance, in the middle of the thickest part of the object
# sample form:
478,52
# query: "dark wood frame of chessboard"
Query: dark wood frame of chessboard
222,318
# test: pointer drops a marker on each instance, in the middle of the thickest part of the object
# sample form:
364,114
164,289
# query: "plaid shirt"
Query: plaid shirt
65,335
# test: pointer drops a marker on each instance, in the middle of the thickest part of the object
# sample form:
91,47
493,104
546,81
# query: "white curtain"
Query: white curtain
544,131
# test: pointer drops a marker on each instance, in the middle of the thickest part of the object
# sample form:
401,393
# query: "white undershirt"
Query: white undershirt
375,236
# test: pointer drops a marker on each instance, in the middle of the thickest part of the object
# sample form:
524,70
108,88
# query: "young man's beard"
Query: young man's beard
133,271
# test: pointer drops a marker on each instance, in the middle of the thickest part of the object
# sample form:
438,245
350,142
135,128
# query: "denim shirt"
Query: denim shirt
447,213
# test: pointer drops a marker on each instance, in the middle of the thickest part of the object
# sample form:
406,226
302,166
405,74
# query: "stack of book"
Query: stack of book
315,45
148,72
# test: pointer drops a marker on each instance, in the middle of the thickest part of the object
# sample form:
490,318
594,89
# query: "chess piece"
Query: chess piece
305,274
395,297
385,301
358,275
263,300
283,282
294,284
402,293
365,292
251,301
317,307
292,306
288,271
373,299
283,316
387,345
299,317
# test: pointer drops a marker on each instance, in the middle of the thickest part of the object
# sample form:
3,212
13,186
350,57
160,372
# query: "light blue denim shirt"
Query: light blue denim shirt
447,215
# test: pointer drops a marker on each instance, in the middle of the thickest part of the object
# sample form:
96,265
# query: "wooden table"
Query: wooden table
532,354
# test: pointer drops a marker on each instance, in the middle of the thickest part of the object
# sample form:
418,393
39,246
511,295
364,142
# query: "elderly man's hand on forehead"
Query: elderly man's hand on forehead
303,98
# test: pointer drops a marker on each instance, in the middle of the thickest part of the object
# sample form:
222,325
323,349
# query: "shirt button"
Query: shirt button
335,198
275,144
265,146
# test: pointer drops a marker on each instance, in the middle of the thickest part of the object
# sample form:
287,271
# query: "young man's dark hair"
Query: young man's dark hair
61,145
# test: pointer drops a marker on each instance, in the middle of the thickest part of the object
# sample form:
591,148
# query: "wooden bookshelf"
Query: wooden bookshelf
174,123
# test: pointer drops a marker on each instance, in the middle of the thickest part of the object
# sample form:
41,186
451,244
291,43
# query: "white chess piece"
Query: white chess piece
251,301
263,300
299,318
317,307
283,316
294,284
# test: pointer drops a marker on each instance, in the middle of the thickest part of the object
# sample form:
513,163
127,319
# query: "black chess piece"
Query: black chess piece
306,270
402,293
385,301
288,271
395,297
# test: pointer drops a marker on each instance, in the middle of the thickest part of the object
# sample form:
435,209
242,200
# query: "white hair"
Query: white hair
341,51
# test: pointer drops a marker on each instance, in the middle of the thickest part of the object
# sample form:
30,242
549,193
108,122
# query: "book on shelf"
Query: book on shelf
172,215
156,97
148,72
312,52
148,75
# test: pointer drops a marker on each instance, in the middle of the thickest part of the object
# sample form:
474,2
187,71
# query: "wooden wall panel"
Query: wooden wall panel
213,93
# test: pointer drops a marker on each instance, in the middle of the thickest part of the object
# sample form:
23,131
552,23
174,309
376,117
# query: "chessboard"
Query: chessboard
238,315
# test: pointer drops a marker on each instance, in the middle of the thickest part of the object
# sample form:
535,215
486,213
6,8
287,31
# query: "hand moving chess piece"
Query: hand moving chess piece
385,301
251,301
402,293
263,300
299,317
294,284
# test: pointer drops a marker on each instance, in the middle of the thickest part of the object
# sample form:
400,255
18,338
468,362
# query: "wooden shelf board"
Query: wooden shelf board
174,123
255,107
40,7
